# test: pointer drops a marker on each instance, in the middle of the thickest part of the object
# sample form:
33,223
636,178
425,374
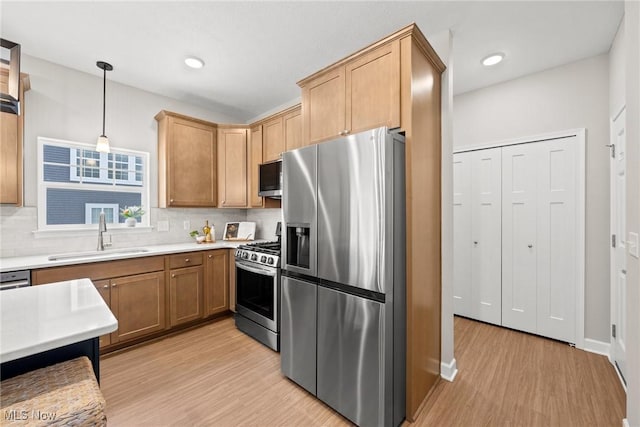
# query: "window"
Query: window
76,183
92,212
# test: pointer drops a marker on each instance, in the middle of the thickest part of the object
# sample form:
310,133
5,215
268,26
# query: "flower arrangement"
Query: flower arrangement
132,212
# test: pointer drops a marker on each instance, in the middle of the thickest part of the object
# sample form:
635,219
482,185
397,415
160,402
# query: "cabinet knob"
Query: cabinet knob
105,286
475,242
173,275
114,285
171,200
530,246
187,260
210,256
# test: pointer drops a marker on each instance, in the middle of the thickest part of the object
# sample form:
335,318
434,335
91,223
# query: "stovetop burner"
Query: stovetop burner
264,253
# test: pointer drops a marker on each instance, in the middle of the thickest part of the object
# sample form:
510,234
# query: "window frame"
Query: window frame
117,185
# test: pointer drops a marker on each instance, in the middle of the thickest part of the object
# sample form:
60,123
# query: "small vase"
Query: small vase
131,222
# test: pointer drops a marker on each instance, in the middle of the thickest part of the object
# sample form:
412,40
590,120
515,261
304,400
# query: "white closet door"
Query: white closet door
462,234
519,248
557,237
485,235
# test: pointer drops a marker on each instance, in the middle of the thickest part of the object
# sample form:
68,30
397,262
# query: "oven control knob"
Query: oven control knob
254,257
263,259
245,255
270,260
238,252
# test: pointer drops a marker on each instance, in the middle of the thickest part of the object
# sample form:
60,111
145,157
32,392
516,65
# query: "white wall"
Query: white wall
632,89
572,96
617,64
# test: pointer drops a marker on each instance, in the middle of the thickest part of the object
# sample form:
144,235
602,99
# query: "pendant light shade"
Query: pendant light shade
102,145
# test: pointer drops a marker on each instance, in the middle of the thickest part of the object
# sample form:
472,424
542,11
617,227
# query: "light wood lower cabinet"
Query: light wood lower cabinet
138,302
154,294
185,295
104,288
216,291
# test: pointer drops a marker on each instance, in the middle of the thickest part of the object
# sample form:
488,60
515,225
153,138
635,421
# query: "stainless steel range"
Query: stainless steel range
258,291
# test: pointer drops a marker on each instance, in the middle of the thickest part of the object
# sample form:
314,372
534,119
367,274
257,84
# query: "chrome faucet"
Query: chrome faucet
102,228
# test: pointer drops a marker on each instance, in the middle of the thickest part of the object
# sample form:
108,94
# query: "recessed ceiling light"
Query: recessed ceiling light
493,59
194,62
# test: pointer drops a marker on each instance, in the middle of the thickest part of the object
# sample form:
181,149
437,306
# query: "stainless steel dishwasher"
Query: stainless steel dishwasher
15,279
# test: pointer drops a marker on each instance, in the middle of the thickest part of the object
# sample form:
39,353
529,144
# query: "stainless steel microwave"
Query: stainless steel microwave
271,179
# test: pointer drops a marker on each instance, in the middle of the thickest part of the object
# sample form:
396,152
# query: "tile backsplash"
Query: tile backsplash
17,226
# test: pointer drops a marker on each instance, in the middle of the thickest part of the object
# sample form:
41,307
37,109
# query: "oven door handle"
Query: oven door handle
254,269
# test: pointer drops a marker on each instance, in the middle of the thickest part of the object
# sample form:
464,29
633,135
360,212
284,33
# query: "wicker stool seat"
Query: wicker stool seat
63,394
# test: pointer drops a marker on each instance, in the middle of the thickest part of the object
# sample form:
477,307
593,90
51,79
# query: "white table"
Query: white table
46,324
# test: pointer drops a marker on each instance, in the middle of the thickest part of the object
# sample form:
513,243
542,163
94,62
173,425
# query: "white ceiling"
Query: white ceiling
256,51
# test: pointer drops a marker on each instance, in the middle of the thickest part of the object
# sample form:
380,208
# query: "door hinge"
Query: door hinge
613,330
613,150
613,240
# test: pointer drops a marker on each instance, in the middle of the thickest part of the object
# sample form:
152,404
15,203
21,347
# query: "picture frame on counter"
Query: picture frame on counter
239,231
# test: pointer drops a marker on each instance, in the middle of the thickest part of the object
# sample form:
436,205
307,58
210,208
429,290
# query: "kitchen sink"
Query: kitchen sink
96,254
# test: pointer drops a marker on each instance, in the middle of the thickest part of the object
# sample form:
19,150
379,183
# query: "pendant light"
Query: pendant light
103,142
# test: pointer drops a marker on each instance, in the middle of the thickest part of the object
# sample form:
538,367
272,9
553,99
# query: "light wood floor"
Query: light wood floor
216,375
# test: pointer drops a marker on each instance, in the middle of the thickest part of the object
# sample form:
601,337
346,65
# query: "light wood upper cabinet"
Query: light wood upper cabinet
187,161
323,100
293,129
362,93
11,143
272,139
216,291
232,168
253,163
373,89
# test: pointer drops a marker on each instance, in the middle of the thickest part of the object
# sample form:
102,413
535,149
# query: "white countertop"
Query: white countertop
44,317
42,261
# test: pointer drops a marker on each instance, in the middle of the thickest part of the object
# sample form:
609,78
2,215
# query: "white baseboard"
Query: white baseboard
625,423
448,371
598,347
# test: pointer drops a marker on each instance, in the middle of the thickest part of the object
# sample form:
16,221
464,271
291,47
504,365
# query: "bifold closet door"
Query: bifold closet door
519,245
462,234
486,235
557,236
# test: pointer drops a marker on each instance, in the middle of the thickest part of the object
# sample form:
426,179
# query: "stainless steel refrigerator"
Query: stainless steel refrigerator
343,274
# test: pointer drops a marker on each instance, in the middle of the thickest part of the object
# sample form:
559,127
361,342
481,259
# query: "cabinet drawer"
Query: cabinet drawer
185,260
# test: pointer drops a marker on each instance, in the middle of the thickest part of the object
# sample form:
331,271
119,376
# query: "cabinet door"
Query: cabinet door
185,295
462,243
519,248
9,158
138,302
324,107
104,288
373,89
272,140
191,164
293,130
232,280
255,158
557,237
216,291
485,233
232,168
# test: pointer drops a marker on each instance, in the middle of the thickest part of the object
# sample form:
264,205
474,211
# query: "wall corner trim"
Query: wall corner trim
448,371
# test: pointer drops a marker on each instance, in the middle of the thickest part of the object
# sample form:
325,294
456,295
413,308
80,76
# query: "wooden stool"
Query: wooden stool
63,394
